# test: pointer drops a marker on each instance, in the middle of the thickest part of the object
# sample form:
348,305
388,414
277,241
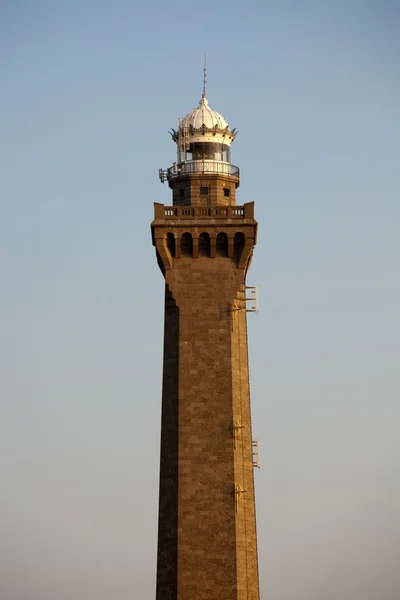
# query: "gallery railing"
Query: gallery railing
206,212
203,166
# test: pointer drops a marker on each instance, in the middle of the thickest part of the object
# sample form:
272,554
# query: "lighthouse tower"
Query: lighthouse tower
207,547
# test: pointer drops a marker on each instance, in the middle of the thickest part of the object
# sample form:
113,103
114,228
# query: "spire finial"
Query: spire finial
204,76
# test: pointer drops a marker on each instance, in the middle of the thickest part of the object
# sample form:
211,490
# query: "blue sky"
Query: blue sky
90,90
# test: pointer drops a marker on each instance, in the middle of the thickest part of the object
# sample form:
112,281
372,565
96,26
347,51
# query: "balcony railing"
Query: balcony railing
203,166
204,212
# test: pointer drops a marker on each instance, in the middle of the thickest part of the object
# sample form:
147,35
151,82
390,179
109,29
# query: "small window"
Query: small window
204,190
227,192
182,191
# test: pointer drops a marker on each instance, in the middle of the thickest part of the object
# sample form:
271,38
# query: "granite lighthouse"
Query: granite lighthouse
207,545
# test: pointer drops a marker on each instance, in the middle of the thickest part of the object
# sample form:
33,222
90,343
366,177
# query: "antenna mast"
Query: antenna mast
205,76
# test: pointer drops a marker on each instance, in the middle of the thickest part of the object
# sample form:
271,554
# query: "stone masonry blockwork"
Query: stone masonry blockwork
207,545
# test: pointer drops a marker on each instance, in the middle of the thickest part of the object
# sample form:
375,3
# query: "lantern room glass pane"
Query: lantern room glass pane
209,151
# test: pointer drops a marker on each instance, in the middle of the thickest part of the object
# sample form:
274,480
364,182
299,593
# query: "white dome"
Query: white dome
204,115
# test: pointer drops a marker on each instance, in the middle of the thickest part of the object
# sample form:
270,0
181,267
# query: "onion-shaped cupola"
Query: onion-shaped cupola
203,140
204,136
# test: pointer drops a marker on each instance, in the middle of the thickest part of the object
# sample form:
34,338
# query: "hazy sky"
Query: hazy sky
89,91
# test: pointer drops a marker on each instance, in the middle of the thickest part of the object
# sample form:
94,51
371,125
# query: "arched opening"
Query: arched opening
171,244
187,244
204,244
222,244
238,245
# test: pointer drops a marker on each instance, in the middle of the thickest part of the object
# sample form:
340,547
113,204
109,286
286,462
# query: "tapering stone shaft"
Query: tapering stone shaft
207,545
